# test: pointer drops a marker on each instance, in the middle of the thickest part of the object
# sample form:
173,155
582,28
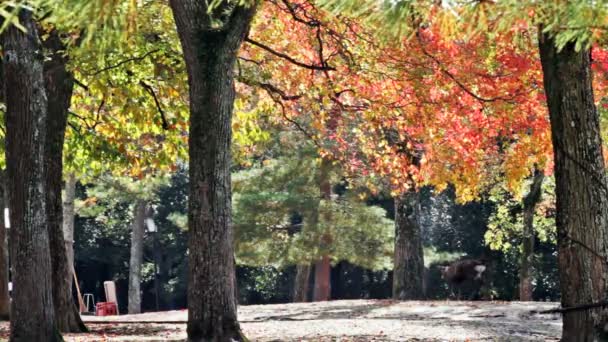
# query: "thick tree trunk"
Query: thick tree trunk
300,289
32,313
525,267
581,191
210,53
5,303
408,272
322,289
59,86
68,220
137,257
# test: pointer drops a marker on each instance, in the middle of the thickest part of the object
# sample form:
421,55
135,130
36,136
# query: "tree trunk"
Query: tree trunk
322,289
525,267
68,220
300,289
5,303
581,191
32,314
408,272
137,257
210,53
59,86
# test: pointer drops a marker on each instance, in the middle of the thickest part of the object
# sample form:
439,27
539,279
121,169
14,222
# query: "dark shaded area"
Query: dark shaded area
102,253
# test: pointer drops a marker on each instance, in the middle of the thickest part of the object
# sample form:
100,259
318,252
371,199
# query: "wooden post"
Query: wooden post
80,300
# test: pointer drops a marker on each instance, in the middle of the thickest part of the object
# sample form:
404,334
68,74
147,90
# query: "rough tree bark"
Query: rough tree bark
408,272
322,289
581,191
68,220
300,289
59,86
525,267
210,43
137,257
5,303
32,313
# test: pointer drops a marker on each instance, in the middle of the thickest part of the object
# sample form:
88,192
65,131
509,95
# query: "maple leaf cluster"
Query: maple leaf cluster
403,113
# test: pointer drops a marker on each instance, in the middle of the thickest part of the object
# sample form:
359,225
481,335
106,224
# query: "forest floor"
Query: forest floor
349,320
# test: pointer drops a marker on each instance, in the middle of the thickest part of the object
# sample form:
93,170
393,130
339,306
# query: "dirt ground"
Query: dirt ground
350,320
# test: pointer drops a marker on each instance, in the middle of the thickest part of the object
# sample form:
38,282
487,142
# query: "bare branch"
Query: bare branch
150,90
114,66
289,58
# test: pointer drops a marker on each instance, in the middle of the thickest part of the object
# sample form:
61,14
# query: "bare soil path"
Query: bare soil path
350,320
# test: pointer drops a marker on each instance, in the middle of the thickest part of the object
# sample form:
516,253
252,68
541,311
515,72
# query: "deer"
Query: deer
461,271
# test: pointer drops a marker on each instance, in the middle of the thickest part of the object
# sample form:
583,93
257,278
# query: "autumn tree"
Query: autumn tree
426,110
59,87
210,39
565,32
32,316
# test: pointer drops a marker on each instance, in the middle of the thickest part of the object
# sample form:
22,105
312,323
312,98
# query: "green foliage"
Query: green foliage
103,230
505,226
129,110
108,192
580,21
280,219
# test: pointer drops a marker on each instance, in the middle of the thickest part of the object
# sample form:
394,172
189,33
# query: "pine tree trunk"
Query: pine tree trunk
408,272
210,53
68,220
137,257
5,303
322,289
32,314
581,191
59,86
300,289
525,267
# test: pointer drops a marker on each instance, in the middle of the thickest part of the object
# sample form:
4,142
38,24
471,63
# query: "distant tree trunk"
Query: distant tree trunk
322,289
581,190
32,314
525,267
68,220
300,290
137,256
210,53
408,272
59,86
303,271
5,303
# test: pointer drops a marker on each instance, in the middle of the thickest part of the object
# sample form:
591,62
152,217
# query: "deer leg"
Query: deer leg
450,292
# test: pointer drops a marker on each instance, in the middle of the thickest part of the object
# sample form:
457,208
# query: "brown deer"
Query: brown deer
462,271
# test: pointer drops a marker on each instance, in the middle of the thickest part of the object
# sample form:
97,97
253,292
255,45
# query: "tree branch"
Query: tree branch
292,10
455,80
288,58
150,90
114,66
80,84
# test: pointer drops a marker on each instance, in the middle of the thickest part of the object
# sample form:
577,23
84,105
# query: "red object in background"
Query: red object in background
106,309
